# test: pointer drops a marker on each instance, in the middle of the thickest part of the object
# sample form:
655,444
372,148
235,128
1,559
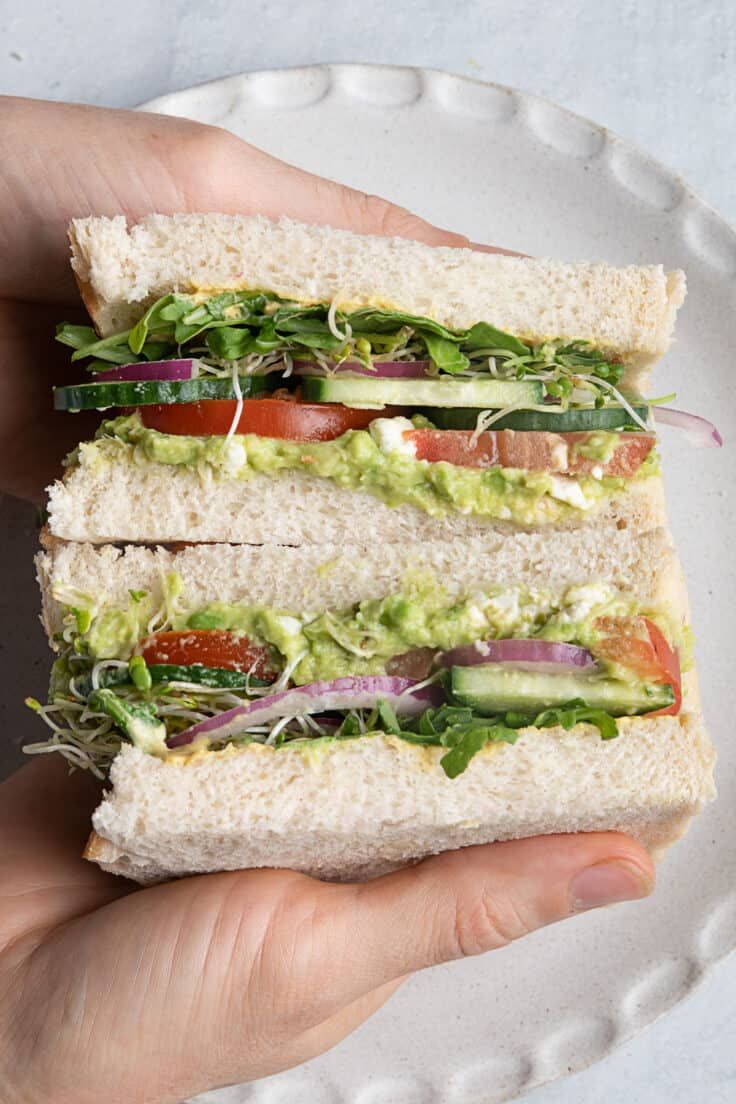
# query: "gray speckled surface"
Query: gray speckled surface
662,75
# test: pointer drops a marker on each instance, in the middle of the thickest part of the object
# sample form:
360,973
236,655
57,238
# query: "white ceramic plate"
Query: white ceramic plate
511,169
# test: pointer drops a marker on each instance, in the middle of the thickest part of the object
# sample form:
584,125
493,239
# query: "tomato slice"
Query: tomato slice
631,452
210,648
670,663
280,418
528,450
455,446
637,643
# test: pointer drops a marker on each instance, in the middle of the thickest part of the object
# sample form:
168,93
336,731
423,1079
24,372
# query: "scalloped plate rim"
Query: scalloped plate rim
688,192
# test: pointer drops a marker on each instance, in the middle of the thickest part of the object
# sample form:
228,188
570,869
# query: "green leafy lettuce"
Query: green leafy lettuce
465,732
236,324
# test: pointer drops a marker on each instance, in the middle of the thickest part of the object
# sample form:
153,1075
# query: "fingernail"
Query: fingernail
607,883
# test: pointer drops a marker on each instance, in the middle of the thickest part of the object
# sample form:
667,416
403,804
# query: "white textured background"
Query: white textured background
662,74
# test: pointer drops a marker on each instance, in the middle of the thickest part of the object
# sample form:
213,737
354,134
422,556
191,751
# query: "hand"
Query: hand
115,993
62,161
111,992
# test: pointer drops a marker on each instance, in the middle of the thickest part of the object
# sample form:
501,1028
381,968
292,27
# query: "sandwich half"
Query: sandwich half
343,710
287,384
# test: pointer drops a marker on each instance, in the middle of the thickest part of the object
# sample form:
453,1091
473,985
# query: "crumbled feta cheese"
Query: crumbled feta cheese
290,625
388,433
570,491
581,600
234,456
559,456
476,616
505,607
597,472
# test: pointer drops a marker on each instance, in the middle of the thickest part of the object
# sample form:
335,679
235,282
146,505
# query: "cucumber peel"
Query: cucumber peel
100,396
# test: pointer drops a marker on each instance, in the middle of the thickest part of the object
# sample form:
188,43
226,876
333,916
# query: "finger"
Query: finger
250,181
44,823
45,811
470,901
357,938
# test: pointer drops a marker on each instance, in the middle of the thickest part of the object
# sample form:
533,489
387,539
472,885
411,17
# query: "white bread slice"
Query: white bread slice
315,577
125,501
626,312
359,808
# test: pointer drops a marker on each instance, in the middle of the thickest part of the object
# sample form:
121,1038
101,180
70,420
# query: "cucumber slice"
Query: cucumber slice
168,672
566,421
204,676
144,729
360,391
99,396
495,688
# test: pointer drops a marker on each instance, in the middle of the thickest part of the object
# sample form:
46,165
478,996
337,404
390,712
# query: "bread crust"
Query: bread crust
97,849
356,809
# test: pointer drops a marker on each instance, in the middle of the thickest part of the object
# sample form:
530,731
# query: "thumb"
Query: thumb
481,898
236,178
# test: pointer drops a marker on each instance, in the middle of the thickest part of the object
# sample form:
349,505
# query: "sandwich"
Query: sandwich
368,558
275,383
343,710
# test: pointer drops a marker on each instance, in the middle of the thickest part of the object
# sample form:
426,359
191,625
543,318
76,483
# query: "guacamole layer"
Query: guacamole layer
361,639
356,460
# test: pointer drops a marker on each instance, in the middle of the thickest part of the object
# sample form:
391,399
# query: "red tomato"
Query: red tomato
638,643
529,450
286,420
631,452
455,446
210,648
670,663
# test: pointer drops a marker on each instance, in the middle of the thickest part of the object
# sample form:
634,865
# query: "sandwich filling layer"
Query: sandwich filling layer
432,669
474,421
383,460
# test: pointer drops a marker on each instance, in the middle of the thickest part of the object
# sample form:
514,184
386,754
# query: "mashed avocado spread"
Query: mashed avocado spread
361,639
356,460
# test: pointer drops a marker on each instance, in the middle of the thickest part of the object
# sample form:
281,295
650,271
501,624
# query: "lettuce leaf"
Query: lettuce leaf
577,712
465,732
235,324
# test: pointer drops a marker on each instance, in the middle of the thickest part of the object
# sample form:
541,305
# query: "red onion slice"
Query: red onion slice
150,370
383,369
700,431
544,656
315,697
